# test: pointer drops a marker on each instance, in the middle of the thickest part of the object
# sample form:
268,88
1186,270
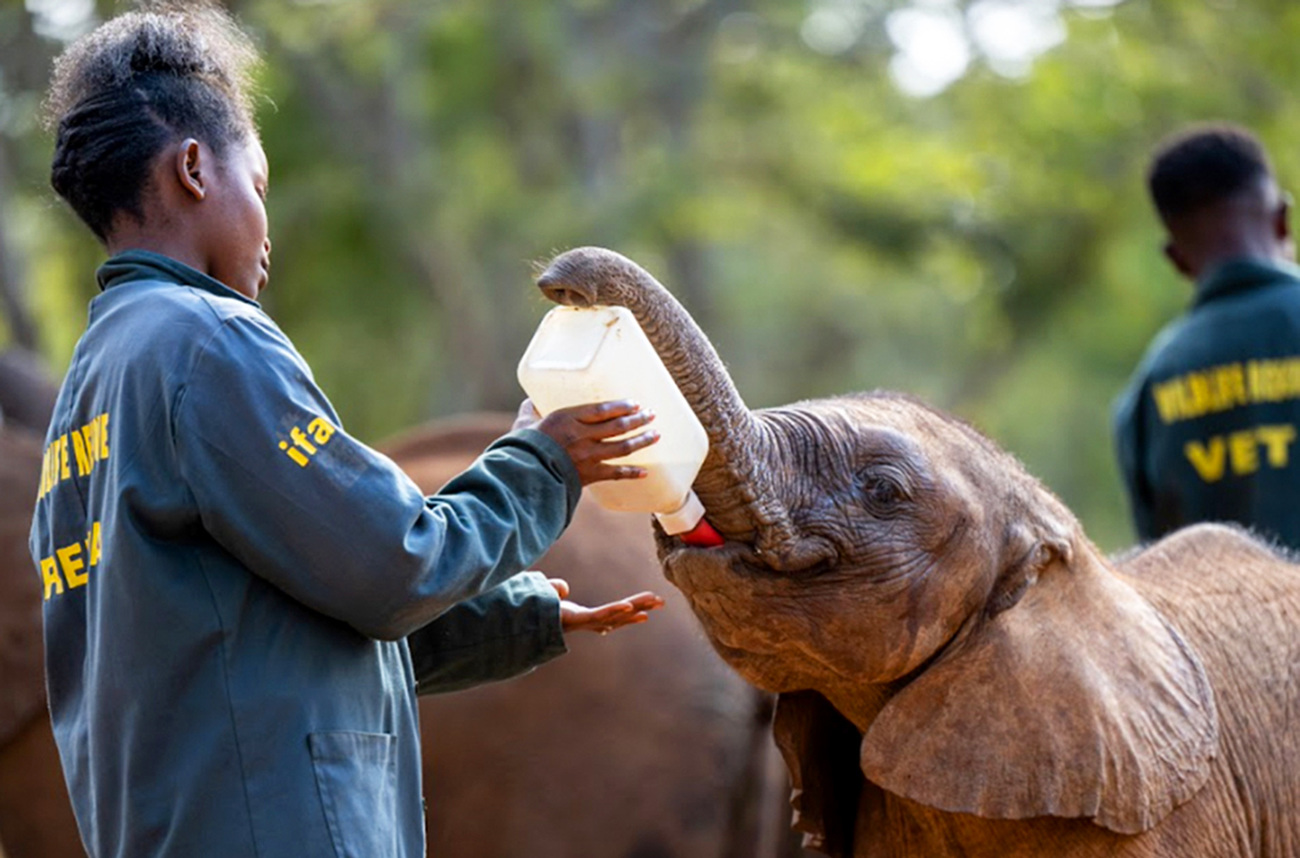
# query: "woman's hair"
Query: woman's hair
135,84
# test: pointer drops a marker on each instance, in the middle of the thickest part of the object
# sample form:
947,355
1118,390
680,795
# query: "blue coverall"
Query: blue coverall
241,599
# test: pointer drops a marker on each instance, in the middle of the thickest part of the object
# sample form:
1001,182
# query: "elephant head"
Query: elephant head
891,562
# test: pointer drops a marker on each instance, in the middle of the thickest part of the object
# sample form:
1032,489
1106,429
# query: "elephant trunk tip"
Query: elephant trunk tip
562,292
574,278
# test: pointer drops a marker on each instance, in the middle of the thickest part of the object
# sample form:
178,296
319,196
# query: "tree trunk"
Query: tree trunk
13,271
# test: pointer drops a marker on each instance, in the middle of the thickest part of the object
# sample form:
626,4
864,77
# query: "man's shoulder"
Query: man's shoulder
1270,303
1247,287
1167,342
1283,290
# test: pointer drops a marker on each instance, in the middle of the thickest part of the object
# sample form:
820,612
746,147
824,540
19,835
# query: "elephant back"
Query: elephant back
21,659
27,391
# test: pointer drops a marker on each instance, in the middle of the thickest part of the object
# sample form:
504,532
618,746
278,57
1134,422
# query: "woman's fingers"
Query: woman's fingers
607,618
584,430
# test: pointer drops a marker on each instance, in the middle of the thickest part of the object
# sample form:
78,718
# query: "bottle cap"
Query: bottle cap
684,518
688,523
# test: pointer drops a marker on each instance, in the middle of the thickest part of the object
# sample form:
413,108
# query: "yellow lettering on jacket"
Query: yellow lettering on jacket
50,575
1239,452
45,474
83,460
90,437
1207,459
70,566
321,430
1243,452
93,544
302,446
1222,388
89,447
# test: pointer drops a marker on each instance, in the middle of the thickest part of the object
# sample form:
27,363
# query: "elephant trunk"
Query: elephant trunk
734,483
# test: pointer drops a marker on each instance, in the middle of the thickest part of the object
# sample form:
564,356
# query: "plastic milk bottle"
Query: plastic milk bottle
593,354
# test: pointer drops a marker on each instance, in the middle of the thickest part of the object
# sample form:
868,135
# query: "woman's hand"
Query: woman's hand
583,431
606,618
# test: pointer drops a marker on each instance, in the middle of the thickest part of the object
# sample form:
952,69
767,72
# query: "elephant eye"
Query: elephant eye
883,493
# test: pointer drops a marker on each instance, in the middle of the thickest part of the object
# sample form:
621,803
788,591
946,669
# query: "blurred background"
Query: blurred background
936,196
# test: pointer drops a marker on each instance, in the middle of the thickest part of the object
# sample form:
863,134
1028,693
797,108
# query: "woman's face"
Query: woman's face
239,249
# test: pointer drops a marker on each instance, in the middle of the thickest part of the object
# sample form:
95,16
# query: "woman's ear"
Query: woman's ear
1077,700
189,168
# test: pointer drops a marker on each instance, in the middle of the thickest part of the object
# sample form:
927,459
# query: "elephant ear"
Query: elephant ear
1078,700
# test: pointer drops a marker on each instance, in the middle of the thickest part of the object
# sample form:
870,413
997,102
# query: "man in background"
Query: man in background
1207,429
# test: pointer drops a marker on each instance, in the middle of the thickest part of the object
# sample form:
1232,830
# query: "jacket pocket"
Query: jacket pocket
356,774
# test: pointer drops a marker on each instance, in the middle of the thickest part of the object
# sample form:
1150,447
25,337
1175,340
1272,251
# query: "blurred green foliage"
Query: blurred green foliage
988,247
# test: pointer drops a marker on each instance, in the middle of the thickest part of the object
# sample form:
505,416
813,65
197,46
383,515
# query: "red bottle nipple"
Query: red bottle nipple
702,535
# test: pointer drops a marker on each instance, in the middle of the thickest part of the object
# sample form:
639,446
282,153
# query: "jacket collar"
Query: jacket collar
132,265
1241,275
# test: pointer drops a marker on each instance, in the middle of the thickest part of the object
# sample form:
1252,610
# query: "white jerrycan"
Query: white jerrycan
594,354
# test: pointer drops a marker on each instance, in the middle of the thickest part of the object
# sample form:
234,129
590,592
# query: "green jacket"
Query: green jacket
1207,429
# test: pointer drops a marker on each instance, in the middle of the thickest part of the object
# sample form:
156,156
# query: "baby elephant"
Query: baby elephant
961,672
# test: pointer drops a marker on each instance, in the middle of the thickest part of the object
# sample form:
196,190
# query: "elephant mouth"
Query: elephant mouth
730,588
681,561
812,558
734,566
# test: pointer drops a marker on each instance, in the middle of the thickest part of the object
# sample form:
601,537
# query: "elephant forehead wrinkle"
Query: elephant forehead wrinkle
806,434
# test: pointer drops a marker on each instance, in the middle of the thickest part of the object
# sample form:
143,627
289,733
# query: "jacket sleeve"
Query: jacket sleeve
1128,425
335,524
507,631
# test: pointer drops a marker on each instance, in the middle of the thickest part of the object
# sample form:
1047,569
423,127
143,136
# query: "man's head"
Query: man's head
1215,192
155,143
